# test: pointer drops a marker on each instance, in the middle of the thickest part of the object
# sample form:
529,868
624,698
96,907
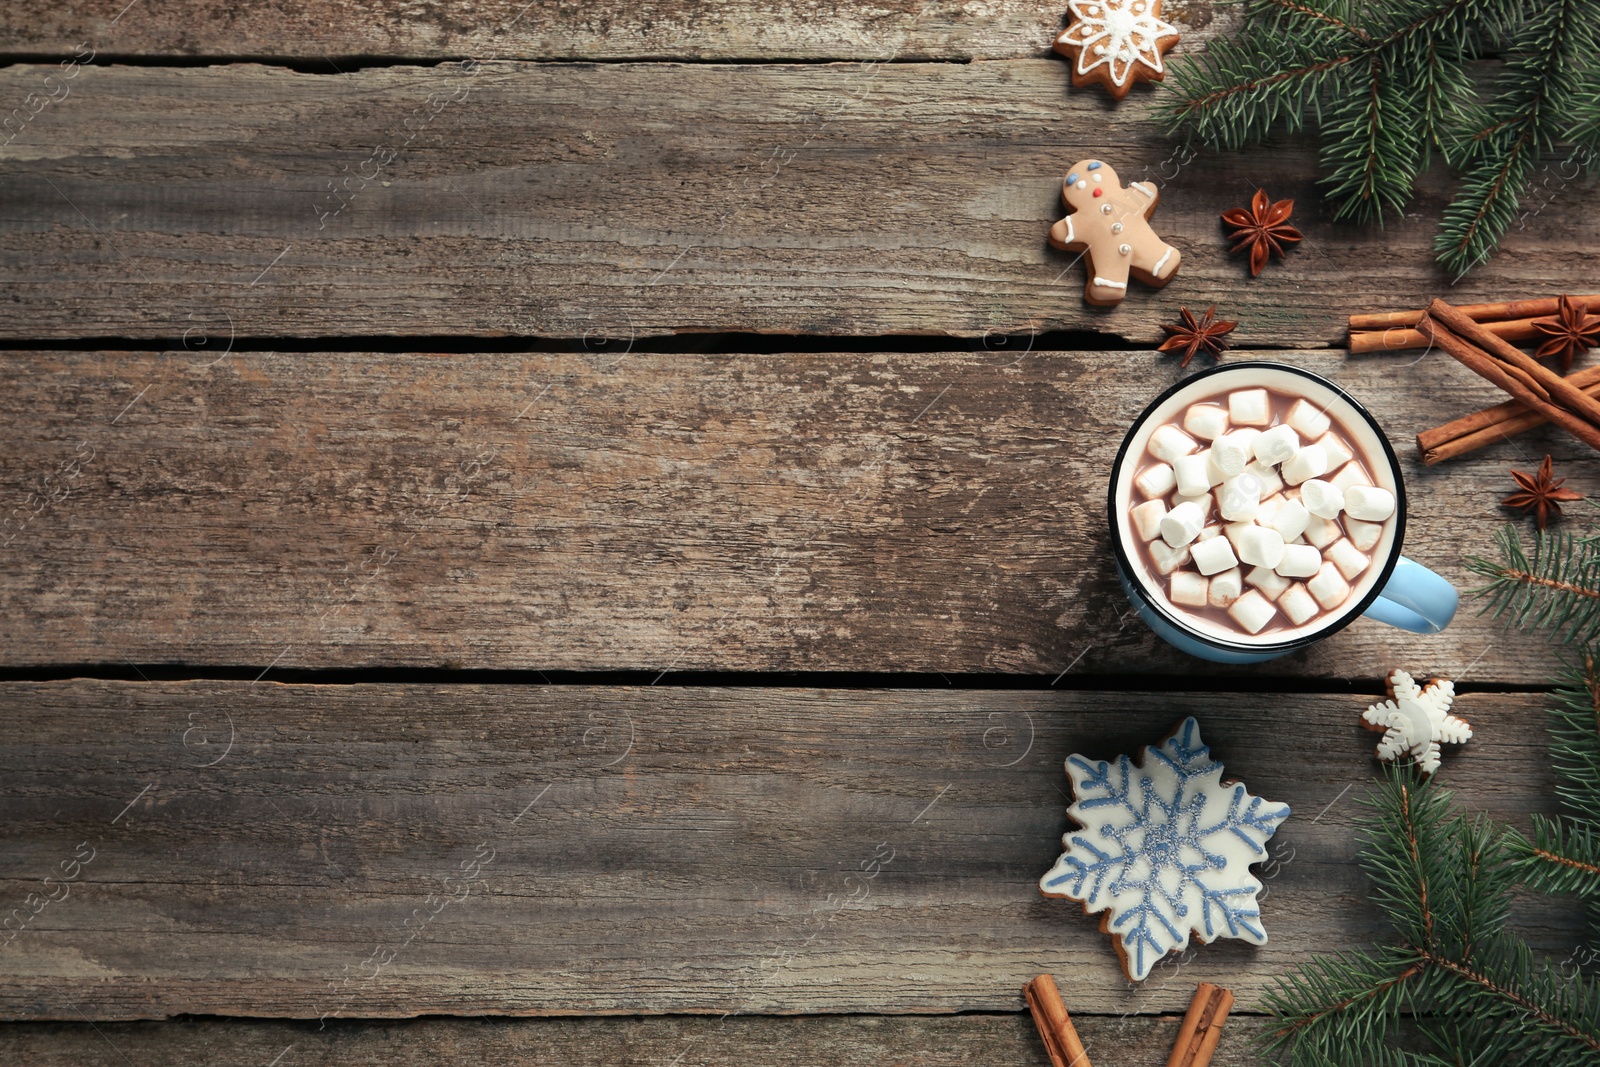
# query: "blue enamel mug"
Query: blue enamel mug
1392,589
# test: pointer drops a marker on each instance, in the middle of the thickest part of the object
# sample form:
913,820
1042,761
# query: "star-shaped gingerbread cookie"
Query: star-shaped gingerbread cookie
1414,720
1116,43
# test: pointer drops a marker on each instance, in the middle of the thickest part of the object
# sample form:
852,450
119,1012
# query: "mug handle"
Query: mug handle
1415,599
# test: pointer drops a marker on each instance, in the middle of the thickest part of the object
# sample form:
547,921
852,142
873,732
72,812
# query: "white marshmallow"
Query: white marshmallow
1234,530
1329,587
1322,532
1338,452
1194,473
1269,509
1260,547
1299,561
1182,524
1206,421
1298,604
1270,482
1147,519
1308,419
1322,499
1233,451
1213,556
1188,589
1350,560
1156,481
1209,532
1249,407
1203,502
1368,503
1290,520
1364,535
1270,582
1225,588
1252,611
1277,444
1308,462
1169,442
1240,497
1350,475
1166,559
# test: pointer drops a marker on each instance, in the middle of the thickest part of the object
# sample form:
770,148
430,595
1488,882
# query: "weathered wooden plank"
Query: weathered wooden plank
660,512
627,200
848,1041
331,30
380,851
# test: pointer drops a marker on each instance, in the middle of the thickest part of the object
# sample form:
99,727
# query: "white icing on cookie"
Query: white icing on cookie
1416,720
1118,35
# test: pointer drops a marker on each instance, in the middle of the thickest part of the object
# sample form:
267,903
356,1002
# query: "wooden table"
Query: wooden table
583,524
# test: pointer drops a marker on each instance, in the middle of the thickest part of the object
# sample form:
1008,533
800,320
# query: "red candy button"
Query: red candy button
1097,192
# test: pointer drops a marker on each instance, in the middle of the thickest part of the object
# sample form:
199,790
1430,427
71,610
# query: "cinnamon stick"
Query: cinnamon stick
1050,1016
1482,363
1401,339
1558,388
1202,1027
1514,309
1472,432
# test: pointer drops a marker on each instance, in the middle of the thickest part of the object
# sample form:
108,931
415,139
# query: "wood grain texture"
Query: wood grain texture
657,512
851,1041
285,850
632,200
892,30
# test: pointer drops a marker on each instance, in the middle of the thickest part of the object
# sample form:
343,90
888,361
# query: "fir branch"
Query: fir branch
1556,589
1559,860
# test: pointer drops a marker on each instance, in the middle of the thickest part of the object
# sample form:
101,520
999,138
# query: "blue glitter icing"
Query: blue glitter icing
1072,179
1095,165
1166,847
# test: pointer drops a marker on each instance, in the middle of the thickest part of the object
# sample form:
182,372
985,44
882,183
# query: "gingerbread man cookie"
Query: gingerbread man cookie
1116,43
1108,224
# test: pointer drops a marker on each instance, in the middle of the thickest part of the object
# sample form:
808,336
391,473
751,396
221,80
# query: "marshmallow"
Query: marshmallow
1225,588
1240,497
1298,604
1322,499
1277,444
1351,474
1329,587
1156,481
1182,524
1269,509
1188,589
1205,421
1368,503
1308,462
1270,482
1202,501
1270,582
1260,547
1194,473
1364,535
1299,561
1234,530
1147,519
1322,532
1290,520
1308,419
1249,407
1166,559
1252,611
1213,556
1169,442
1338,452
1350,560
1209,532
1233,451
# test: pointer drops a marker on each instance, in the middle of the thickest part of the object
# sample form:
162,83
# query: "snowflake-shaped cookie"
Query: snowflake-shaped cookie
1165,850
1116,43
1415,720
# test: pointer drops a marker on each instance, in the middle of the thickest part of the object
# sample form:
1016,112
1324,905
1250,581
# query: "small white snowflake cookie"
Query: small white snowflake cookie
1116,43
1415,720
1165,850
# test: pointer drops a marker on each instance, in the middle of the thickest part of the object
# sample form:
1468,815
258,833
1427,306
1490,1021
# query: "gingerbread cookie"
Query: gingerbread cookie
1116,43
1415,719
1108,224
1165,850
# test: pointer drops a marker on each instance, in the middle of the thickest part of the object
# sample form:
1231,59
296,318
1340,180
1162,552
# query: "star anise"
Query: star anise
1540,494
1263,229
1194,335
1571,330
